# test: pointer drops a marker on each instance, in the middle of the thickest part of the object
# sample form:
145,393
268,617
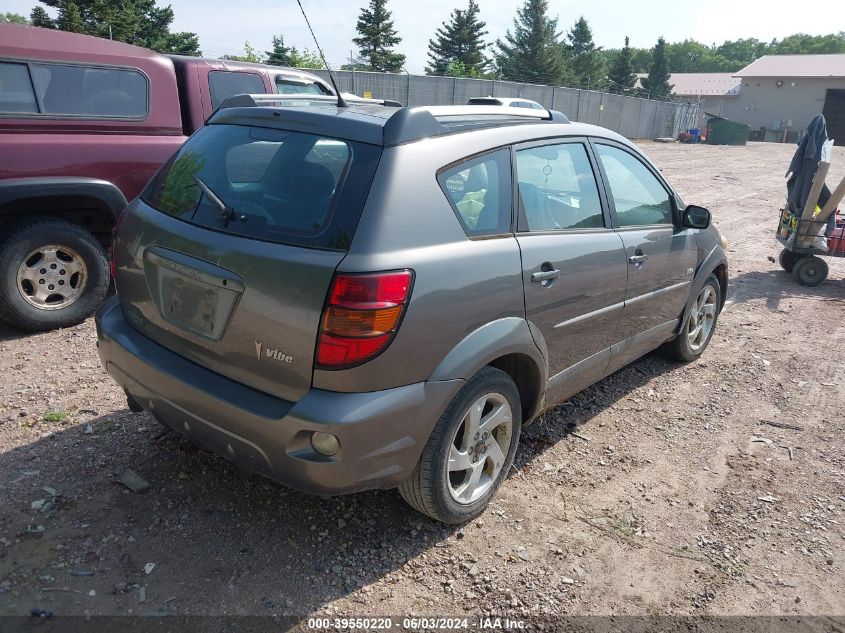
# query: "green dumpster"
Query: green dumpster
722,131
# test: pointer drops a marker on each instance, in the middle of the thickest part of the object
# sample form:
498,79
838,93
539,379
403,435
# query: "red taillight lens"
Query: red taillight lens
370,291
335,352
362,316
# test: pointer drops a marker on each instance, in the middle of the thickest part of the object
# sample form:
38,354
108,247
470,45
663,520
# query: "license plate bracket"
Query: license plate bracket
192,294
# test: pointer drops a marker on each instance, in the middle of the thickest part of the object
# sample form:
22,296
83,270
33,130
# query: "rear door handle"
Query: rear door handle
545,275
637,259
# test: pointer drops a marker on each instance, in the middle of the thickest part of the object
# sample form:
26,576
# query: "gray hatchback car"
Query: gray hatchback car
344,298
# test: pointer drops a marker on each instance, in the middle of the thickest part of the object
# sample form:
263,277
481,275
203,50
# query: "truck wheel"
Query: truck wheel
52,274
470,450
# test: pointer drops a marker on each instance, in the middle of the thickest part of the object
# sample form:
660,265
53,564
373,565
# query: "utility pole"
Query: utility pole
352,66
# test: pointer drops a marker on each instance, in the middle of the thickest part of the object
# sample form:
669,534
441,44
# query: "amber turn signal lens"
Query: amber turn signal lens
345,322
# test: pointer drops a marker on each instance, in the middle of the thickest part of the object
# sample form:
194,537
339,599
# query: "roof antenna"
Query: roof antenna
340,102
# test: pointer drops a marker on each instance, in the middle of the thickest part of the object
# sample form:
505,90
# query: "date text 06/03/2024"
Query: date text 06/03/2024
413,623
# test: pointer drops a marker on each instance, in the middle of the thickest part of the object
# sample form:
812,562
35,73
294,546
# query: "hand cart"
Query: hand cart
802,242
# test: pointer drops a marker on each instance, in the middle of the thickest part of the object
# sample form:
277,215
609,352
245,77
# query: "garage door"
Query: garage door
834,114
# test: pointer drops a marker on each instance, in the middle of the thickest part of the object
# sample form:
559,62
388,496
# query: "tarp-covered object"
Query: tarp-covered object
804,164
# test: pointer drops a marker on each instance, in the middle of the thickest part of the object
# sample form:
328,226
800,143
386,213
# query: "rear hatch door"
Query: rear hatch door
227,257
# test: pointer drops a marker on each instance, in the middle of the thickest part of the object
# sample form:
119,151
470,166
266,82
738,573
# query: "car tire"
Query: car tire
787,259
439,487
810,271
67,289
704,310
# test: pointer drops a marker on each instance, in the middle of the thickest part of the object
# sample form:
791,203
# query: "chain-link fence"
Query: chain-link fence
630,116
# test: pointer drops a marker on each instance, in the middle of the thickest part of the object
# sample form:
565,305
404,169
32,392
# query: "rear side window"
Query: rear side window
557,188
223,84
272,185
86,91
16,93
479,191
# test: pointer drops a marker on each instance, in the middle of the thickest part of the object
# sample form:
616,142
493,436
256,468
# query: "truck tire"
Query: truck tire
52,274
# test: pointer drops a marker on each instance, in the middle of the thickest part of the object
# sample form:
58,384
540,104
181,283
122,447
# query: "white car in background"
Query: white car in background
508,102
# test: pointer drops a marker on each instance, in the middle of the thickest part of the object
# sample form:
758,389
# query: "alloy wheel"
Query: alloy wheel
702,318
477,450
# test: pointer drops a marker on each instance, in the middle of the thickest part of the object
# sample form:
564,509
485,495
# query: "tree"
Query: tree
377,37
139,22
281,54
801,43
730,56
39,17
690,56
740,53
14,18
457,69
70,18
249,55
531,53
182,43
621,77
656,84
305,59
584,60
459,44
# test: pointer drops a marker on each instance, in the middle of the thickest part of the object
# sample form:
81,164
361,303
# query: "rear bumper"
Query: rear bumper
381,433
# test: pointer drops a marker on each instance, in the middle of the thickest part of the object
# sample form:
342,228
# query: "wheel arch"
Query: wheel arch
506,344
716,263
721,272
89,203
526,374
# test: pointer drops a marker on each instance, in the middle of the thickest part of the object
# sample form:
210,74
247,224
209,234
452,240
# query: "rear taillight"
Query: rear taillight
361,317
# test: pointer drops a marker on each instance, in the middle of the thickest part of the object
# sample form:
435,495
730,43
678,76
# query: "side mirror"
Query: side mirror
695,217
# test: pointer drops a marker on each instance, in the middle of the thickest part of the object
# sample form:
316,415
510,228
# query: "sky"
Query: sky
223,26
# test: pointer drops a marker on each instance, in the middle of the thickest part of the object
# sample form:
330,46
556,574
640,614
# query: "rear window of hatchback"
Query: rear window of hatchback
267,184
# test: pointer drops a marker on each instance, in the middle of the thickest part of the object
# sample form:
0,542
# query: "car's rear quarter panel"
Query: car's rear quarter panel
460,284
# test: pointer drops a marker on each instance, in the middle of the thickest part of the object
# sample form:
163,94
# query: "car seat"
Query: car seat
537,214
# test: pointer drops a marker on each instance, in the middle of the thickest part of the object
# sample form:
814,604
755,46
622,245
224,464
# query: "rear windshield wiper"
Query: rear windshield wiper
226,212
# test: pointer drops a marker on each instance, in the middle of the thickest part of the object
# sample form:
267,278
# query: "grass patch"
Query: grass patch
55,416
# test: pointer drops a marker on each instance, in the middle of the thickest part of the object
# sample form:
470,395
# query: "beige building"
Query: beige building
776,96
784,92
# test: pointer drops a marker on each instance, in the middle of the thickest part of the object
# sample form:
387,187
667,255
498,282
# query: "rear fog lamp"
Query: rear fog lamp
325,443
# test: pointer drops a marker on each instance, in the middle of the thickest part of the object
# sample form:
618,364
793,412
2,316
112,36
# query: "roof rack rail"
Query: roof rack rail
474,111
403,125
255,100
412,124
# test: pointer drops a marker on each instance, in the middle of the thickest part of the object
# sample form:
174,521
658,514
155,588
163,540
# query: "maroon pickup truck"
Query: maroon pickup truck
84,124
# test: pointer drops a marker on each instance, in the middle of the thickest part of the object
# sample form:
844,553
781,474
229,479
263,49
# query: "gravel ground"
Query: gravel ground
657,491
